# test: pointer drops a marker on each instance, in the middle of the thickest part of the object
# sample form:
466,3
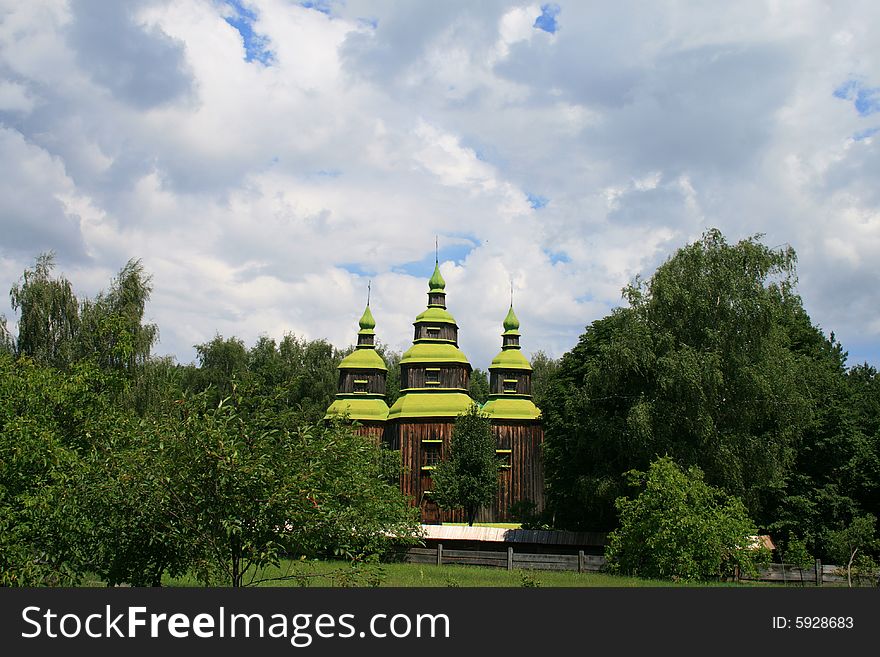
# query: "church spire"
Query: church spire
366,334
434,373
510,377
361,389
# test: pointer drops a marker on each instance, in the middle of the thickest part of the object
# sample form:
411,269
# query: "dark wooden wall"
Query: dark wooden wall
375,385
451,376
523,480
374,431
523,382
446,332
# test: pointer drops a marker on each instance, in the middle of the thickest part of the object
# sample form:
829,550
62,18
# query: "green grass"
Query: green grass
336,574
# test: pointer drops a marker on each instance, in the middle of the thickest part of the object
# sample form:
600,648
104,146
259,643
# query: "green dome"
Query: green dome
511,323
433,352
435,314
363,359
510,359
375,410
506,408
367,323
428,404
436,284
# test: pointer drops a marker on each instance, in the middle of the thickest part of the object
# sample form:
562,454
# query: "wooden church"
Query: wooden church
434,378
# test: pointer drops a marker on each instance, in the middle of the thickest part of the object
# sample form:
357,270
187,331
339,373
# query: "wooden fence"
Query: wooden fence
818,575
510,559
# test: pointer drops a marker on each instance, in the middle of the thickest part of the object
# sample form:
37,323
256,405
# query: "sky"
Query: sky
265,159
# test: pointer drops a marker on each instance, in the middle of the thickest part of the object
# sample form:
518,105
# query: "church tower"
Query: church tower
361,388
434,378
516,423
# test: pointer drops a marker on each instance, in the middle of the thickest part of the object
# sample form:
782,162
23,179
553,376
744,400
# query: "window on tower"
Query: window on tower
509,386
432,376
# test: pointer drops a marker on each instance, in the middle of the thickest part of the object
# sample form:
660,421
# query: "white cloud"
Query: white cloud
261,197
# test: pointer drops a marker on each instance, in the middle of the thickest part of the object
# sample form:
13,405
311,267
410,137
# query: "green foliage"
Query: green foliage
49,322
45,423
88,486
131,516
224,362
715,363
392,379
543,370
294,373
258,488
7,344
855,547
468,478
478,388
526,514
679,527
794,551
112,333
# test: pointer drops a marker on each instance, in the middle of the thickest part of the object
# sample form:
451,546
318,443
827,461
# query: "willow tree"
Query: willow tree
113,332
49,314
703,365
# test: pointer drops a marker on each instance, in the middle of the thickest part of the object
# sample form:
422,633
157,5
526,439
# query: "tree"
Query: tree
7,344
130,483
712,363
113,332
468,478
48,418
222,363
478,388
543,369
793,552
854,545
679,527
392,379
49,321
255,487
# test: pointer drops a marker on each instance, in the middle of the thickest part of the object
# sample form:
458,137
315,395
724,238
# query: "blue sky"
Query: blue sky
266,158
255,45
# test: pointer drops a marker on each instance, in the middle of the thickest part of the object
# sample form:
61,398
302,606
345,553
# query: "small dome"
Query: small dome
436,284
367,322
511,323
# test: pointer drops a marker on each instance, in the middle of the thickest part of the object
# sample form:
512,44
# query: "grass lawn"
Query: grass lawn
337,574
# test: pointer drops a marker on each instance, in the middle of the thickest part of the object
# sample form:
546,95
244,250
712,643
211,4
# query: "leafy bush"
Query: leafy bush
679,527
